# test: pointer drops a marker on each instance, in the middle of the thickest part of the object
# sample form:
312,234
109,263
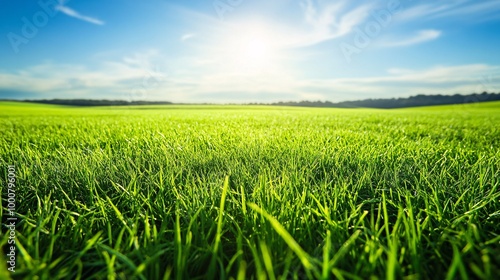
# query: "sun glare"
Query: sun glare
250,49
256,49
253,53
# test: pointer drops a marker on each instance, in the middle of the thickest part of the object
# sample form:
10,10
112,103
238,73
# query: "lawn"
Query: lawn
209,192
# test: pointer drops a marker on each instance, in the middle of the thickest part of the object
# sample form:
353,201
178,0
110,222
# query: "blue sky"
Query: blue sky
247,51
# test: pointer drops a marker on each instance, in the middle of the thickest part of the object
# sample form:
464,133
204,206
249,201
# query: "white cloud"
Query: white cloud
325,20
330,21
109,79
457,9
72,13
187,36
472,9
123,80
420,37
463,79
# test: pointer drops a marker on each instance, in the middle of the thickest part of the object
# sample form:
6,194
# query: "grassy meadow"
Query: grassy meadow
250,192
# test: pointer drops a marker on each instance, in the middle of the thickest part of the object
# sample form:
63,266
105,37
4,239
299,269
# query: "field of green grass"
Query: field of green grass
217,192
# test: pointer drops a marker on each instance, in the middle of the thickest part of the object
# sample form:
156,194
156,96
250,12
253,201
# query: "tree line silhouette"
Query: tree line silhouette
95,102
392,103
412,101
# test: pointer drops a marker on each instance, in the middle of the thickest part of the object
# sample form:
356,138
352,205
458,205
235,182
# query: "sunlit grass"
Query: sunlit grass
160,192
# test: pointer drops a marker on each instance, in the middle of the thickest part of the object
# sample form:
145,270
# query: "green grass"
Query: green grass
177,192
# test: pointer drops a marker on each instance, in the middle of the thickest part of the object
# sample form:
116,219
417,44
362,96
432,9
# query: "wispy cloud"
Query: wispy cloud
418,38
457,9
187,36
332,20
329,21
463,79
478,7
118,79
72,13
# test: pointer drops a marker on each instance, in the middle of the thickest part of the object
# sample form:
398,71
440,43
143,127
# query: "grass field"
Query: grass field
253,192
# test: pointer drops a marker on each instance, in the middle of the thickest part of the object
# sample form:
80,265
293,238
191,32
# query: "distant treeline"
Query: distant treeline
93,102
413,101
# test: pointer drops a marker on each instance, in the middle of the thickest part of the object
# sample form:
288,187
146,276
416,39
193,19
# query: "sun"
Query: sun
249,48
256,49
252,51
